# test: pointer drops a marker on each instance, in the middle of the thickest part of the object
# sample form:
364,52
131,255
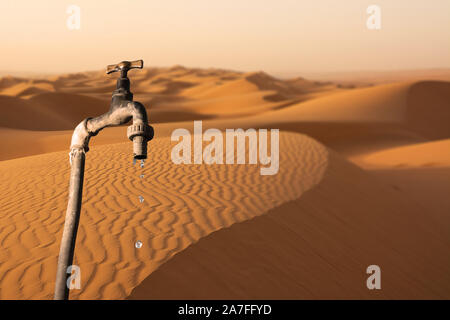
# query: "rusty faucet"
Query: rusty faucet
122,110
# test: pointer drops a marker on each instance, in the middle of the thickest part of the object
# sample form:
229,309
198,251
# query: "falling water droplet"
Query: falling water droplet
142,163
134,161
138,244
141,176
141,199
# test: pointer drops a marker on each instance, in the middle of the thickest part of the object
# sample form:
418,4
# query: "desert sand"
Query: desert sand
364,176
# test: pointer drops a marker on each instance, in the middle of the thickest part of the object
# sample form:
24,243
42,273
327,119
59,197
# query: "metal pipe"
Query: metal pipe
122,110
69,236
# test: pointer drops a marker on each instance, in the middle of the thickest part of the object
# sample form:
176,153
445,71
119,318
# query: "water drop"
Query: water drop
138,244
141,176
142,163
141,199
134,161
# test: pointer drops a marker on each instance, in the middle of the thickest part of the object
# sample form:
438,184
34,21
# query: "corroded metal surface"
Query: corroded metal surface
122,110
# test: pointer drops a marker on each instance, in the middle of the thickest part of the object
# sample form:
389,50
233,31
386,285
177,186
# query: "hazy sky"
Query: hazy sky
275,36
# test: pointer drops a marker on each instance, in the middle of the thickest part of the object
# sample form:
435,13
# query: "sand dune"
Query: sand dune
421,171
182,204
27,90
386,103
224,231
9,81
428,109
415,105
316,247
23,114
367,119
352,122
48,111
428,154
358,78
186,94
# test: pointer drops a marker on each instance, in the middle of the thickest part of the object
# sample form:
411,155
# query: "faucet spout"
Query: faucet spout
139,132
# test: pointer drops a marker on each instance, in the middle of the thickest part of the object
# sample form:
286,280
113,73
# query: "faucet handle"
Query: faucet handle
124,66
